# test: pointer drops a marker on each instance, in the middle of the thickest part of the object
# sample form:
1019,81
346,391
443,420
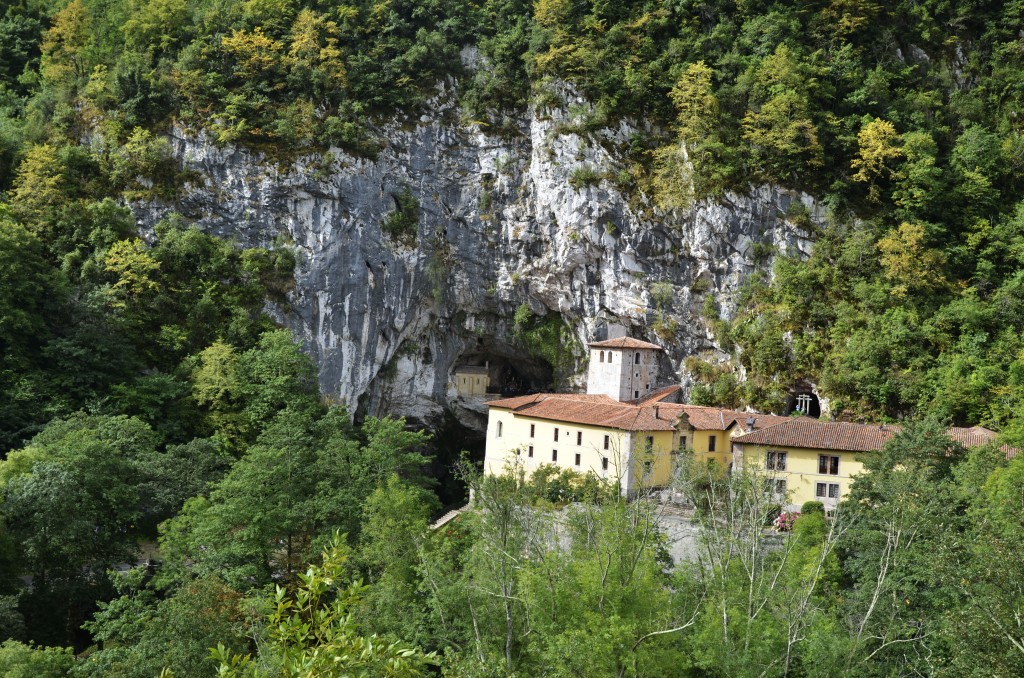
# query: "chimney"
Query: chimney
750,424
657,412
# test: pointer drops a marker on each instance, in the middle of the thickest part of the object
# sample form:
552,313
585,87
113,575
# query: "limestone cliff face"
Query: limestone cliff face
499,225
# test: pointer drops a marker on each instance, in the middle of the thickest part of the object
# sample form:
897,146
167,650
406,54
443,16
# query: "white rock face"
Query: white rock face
500,225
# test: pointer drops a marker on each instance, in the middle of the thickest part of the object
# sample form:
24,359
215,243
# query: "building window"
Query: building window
604,463
577,459
529,452
647,469
828,465
602,356
636,358
556,434
826,490
610,354
579,437
533,429
650,442
607,441
499,428
777,487
712,441
636,394
682,443
554,455
775,460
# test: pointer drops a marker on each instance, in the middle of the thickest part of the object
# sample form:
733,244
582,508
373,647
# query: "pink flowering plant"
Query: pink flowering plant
784,523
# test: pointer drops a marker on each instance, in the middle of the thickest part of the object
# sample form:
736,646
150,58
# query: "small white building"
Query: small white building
623,369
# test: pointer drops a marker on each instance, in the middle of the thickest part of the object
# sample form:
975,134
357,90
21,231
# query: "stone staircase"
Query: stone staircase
448,517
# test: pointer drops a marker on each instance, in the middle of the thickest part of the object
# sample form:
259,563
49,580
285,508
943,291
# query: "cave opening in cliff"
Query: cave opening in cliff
511,375
805,403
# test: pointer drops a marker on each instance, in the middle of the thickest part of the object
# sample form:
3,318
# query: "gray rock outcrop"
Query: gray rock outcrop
499,224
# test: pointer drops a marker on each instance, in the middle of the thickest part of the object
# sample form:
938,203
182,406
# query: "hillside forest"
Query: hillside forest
177,498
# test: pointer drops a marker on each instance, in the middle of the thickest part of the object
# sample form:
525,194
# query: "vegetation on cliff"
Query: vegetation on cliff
147,397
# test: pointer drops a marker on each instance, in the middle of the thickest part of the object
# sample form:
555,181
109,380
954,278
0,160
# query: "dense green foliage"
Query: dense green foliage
901,118
148,400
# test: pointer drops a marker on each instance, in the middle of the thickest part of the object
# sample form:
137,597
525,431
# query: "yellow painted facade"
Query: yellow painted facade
471,383
580,447
801,472
708,445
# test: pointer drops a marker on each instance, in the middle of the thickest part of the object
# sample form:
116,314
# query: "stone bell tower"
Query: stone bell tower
623,368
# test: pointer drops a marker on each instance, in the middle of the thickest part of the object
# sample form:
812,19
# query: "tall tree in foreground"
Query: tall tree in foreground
311,632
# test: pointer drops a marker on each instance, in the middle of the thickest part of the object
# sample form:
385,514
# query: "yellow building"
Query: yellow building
708,432
471,380
635,443
812,460
627,432
628,444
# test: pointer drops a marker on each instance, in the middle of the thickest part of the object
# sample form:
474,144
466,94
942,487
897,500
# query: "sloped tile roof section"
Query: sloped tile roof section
625,342
821,435
666,394
835,435
976,436
718,419
592,410
650,414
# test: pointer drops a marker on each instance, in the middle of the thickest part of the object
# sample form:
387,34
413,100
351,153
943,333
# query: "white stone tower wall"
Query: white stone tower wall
605,377
619,377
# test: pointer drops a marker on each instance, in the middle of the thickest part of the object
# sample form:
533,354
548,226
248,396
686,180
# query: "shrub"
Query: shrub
812,507
584,175
402,224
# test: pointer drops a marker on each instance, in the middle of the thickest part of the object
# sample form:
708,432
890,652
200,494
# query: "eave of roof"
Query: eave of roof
625,342
814,434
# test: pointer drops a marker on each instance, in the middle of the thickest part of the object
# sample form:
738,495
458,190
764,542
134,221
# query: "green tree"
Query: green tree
311,632
18,660
71,502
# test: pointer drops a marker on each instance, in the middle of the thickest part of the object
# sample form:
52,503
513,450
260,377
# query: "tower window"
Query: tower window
554,455
607,440
577,459
602,356
556,434
500,426
604,463
529,452
636,358
533,428
579,437
610,354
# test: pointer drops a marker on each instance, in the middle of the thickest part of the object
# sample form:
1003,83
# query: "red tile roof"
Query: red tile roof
646,415
652,415
718,419
625,342
595,410
658,396
836,435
